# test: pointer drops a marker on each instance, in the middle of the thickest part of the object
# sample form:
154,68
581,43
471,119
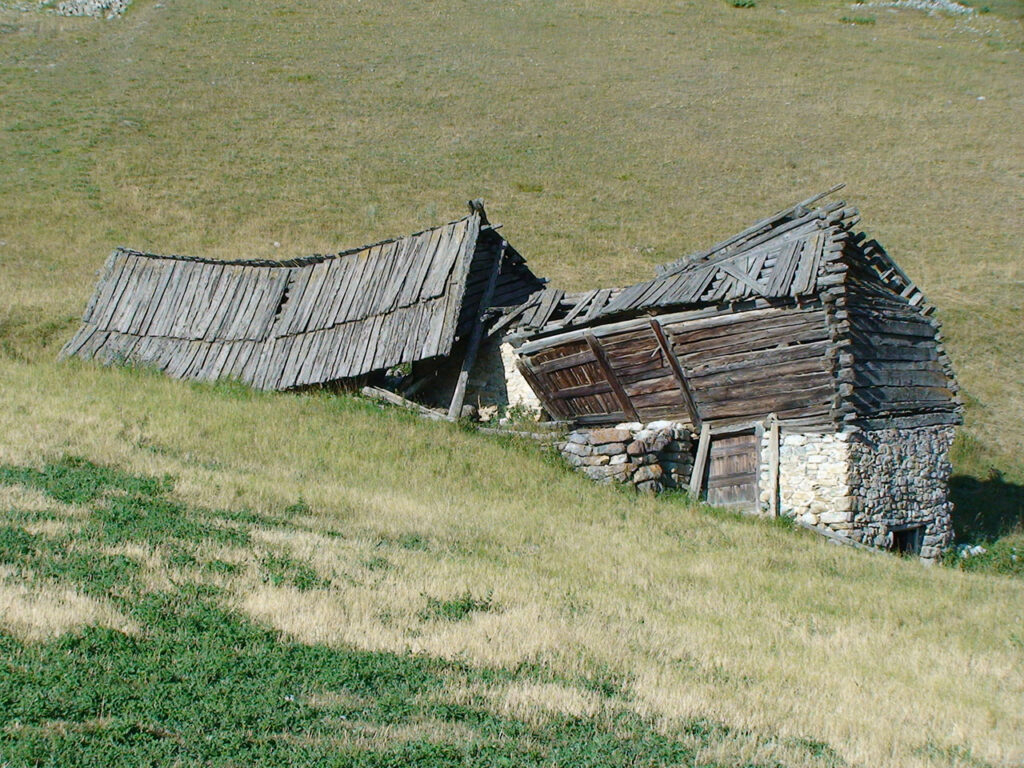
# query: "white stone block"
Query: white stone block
834,517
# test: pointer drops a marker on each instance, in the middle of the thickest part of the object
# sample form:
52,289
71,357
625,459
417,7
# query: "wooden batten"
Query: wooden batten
773,465
613,381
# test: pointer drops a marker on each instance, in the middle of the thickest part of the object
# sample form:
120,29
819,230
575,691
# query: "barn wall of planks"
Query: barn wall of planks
798,328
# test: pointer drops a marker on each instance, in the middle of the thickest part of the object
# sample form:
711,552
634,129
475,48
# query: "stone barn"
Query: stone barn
417,303
805,366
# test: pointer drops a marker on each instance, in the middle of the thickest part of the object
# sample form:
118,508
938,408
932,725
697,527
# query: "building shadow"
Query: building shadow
985,509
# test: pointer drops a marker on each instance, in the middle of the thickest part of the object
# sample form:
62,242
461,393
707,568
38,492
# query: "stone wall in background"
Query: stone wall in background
651,457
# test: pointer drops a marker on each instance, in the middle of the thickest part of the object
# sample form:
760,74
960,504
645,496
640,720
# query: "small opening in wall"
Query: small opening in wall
907,541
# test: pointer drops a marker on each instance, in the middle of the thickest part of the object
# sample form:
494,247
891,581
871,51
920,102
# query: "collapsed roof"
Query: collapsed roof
285,324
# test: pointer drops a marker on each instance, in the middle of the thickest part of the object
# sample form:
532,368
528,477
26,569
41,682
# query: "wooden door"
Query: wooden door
732,471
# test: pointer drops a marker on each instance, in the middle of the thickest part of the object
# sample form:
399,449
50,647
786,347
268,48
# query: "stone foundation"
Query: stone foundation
900,478
868,486
651,458
884,488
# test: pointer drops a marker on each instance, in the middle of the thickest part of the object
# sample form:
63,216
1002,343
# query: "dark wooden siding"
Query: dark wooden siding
745,365
736,365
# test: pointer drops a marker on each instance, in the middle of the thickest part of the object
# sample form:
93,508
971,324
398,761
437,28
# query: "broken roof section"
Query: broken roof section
779,257
285,324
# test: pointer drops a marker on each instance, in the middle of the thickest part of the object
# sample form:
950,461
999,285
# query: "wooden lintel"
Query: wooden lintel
620,394
677,372
701,460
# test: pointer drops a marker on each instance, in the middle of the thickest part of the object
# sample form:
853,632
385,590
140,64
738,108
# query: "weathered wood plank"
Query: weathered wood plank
762,357
700,460
606,367
677,373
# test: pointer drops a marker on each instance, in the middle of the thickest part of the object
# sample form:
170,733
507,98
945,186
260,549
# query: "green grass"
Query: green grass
201,685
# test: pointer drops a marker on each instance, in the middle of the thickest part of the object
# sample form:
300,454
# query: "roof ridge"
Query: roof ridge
301,261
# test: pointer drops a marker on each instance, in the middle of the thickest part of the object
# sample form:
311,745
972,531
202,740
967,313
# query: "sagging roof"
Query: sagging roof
283,324
780,257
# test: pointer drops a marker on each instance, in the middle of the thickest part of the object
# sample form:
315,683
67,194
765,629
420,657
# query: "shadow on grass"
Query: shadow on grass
985,510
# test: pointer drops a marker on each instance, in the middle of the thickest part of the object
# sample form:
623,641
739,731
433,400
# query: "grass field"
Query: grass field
228,549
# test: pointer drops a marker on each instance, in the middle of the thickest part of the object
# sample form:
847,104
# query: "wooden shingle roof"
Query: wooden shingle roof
783,256
277,325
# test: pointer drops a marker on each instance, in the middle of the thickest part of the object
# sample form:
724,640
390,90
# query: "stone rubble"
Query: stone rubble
650,457
107,8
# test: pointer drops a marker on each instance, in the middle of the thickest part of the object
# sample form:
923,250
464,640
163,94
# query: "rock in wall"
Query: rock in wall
650,457
868,485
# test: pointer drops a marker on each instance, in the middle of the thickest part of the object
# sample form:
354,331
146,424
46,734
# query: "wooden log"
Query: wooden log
677,372
383,395
582,390
700,460
606,367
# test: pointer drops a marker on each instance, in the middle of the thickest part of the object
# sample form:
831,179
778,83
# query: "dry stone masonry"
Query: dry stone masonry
885,488
651,457
879,487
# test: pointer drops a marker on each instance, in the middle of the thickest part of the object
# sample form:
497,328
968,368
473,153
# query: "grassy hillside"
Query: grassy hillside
542,613
351,528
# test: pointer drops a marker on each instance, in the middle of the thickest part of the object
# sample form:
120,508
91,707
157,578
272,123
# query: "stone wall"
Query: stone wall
518,392
900,478
814,477
651,457
867,485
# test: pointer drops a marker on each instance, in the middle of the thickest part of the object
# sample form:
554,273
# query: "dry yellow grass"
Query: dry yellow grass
35,613
887,661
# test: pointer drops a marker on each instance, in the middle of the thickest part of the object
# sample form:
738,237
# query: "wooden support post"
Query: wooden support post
677,371
613,381
455,409
773,465
700,461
